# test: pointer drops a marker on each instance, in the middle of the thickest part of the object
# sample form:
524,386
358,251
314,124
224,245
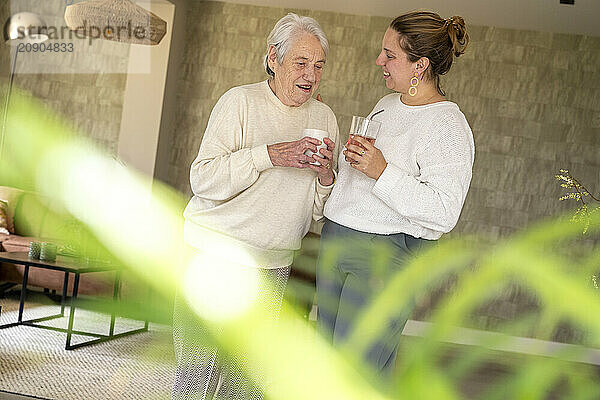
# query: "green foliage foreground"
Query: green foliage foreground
114,215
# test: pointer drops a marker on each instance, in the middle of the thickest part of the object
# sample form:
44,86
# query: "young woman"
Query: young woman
403,191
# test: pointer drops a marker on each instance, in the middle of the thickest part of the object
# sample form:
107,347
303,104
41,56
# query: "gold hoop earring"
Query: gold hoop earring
414,82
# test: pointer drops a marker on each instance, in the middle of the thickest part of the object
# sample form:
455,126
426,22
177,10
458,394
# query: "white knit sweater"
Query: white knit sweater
430,153
244,207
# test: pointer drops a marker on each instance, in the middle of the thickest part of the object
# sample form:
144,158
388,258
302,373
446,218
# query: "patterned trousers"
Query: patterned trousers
203,372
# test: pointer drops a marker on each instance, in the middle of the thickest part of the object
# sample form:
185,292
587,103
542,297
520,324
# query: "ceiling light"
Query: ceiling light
116,20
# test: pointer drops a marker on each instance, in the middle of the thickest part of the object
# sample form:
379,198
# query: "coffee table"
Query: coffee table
67,265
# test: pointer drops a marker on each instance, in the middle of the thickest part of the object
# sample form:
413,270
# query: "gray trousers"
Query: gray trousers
203,371
353,267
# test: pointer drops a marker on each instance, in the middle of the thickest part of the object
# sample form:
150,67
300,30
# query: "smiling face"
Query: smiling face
397,69
299,74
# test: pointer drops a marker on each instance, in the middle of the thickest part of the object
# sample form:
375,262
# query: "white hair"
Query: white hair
287,30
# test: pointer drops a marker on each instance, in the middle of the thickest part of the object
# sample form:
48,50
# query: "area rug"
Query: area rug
34,361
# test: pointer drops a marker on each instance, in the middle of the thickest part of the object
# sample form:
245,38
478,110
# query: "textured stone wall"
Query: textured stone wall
73,85
532,100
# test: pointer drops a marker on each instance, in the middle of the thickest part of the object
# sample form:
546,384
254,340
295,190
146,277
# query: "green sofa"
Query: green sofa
29,220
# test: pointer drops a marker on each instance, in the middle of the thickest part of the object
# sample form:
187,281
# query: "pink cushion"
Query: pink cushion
17,243
3,237
12,247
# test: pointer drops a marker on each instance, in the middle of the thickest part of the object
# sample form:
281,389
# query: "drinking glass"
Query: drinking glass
364,127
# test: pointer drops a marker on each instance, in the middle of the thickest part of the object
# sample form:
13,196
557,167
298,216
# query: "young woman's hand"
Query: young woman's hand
368,159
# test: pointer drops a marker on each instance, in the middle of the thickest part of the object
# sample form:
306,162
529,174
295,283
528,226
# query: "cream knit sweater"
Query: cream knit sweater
430,153
243,207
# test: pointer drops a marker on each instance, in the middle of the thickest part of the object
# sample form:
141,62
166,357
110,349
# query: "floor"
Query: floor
34,364
472,385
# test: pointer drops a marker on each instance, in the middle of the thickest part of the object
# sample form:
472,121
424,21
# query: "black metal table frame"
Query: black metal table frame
99,338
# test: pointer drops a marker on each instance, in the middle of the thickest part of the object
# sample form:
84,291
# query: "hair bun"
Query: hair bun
458,34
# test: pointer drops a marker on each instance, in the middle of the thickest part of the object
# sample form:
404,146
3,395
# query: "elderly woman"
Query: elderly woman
400,193
256,191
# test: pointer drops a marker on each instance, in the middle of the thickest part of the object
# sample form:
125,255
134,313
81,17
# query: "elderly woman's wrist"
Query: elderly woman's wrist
327,181
274,155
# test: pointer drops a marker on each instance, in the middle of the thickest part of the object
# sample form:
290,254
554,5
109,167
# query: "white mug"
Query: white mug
317,134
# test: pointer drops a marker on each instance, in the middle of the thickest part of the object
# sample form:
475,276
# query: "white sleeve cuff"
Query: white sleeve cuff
260,157
384,187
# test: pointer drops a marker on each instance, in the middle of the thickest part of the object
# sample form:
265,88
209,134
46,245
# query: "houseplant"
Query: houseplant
588,205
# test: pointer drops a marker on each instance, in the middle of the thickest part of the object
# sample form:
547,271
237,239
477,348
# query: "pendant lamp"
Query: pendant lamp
117,20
